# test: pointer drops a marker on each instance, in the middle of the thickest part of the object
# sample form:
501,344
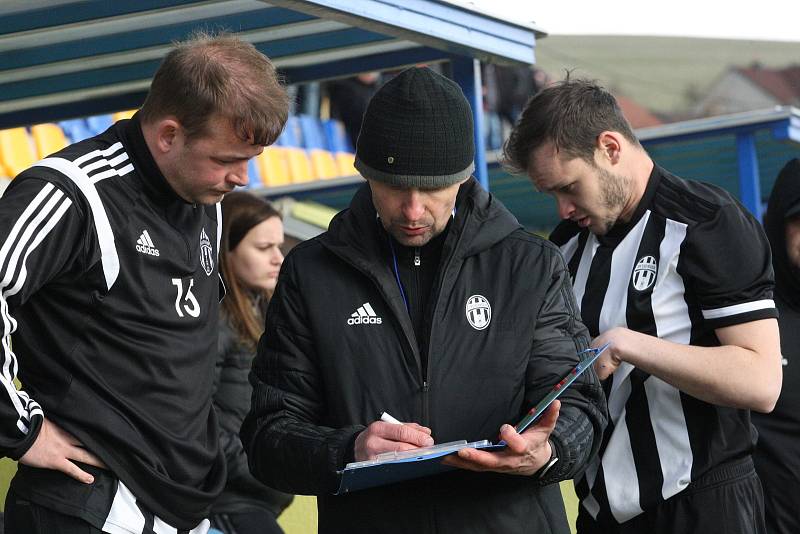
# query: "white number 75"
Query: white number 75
189,304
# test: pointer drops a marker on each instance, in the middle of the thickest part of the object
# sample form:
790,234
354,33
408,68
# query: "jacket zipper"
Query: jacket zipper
438,289
424,371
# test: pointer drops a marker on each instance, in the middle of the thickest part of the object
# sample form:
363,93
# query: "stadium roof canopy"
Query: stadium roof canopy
69,58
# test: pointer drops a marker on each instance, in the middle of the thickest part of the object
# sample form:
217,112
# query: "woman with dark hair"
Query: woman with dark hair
250,259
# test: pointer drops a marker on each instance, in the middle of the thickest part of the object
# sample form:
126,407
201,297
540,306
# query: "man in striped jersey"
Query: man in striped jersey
109,286
677,276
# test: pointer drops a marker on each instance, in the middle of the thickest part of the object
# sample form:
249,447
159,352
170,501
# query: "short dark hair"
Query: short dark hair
571,113
209,75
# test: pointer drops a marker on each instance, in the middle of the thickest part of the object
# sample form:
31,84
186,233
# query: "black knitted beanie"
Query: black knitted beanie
417,132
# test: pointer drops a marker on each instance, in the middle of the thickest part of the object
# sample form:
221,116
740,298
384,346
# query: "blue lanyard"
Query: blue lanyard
397,270
397,273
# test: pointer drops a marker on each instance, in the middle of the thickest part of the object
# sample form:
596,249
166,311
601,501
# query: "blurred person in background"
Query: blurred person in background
777,454
349,98
250,260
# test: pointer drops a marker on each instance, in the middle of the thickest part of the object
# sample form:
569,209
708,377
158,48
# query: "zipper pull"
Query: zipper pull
417,261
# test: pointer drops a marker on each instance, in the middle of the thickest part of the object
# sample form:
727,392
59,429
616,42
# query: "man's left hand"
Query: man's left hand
524,454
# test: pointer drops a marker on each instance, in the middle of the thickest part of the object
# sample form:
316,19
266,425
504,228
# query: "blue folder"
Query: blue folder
392,467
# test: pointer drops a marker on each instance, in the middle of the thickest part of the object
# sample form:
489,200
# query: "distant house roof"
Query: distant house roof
782,84
638,116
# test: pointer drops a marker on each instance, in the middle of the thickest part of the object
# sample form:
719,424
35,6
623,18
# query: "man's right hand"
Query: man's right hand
54,448
380,437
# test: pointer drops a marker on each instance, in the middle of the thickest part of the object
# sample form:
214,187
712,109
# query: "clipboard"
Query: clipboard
392,467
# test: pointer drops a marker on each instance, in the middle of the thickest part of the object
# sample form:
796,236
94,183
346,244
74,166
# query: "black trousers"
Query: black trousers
249,522
25,517
727,500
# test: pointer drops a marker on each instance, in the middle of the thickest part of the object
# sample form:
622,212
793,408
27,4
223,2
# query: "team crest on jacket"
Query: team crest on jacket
206,253
644,275
479,312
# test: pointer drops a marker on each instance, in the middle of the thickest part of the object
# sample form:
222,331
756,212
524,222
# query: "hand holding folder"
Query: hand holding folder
391,467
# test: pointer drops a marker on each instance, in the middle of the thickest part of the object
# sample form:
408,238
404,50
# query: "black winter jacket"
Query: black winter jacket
232,394
321,375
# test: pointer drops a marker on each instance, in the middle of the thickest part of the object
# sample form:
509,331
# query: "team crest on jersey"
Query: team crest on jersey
206,253
644,275
479,312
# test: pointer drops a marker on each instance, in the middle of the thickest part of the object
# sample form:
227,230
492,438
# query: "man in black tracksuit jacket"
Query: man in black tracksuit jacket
425,299
110,290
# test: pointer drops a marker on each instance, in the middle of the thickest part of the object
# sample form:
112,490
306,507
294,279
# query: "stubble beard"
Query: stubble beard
614,193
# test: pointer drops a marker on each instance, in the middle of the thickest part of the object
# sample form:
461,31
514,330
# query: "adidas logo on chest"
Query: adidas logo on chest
364,315
145,245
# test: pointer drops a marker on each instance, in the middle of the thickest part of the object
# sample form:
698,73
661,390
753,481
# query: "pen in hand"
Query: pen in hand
389,419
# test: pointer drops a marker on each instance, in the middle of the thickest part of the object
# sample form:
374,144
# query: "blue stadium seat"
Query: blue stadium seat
338,140
253,174
313,133
340,147
291,135
75,130
98,124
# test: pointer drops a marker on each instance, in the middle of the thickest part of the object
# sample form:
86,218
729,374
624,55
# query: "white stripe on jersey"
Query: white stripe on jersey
17,242
125,517
219,230
622,262
105,236
671,434
738,308
579,284
95,153
60,211
672,321
569,248
112,172
103,162
619,469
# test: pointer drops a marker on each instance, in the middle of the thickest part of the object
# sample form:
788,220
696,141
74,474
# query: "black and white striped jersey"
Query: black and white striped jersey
691,260
110,292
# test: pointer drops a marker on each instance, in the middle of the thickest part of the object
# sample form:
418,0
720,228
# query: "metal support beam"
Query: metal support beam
467,73
749,179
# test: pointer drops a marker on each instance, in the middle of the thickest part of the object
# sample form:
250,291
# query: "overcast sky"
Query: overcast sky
774,20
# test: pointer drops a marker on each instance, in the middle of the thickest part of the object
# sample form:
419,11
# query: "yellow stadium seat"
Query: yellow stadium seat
119,115
345,161
273,167
17,152
299,165
323,164
48,138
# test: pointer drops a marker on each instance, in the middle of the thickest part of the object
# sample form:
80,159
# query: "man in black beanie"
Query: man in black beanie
406,304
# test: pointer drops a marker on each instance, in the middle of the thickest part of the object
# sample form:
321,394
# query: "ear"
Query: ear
609,146
168,134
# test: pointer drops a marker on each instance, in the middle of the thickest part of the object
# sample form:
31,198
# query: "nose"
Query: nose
565,208
238,175
277,258
413,207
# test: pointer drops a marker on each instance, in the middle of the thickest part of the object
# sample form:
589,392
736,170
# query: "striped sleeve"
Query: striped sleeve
36,242
727,261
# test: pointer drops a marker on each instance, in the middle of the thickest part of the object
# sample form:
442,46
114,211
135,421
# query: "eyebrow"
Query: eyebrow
232,157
